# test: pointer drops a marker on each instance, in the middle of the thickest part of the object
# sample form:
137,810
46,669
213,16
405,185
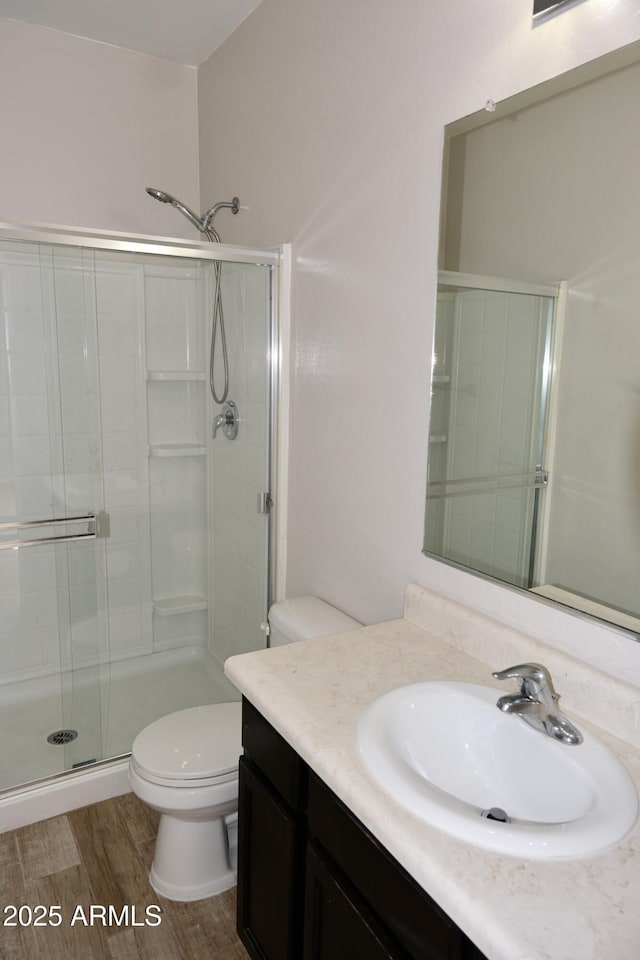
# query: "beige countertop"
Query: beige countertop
513,909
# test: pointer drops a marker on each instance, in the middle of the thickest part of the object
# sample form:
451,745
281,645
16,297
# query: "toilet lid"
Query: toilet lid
200,743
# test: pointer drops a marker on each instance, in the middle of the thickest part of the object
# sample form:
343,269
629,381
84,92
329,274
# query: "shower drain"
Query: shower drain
60,737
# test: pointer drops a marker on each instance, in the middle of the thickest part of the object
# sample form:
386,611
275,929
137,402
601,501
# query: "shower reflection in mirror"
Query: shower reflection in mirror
490,388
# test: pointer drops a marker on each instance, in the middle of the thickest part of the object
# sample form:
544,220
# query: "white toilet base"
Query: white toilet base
191,859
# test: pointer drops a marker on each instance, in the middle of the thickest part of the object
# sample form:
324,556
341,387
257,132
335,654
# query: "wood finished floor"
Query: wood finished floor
100,855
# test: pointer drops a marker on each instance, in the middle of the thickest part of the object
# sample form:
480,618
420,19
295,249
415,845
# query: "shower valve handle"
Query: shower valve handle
228,420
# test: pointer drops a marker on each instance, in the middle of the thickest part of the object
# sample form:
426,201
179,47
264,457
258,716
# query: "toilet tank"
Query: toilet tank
304,617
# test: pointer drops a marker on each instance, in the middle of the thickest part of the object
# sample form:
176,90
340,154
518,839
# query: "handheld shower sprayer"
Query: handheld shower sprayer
163,197
205,225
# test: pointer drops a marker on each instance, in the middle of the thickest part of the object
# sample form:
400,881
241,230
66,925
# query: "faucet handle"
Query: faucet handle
534,680
227,419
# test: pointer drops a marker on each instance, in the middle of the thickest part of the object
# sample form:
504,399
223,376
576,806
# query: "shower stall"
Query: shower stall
135,536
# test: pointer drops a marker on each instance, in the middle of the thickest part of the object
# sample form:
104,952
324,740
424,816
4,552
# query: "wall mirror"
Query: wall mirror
534,440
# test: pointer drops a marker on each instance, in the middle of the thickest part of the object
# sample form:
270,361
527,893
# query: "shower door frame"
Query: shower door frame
279,259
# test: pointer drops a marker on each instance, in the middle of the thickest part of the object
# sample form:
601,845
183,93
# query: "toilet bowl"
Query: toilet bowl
185,766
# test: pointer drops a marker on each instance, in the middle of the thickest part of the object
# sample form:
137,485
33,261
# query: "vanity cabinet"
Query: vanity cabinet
313,882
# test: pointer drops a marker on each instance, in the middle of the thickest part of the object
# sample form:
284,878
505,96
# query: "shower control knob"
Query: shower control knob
227,420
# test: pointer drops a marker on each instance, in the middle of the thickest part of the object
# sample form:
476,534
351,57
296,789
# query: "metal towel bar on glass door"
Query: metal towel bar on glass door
90,534
468,485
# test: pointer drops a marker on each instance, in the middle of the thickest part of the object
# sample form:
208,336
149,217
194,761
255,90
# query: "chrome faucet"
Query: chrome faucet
537,702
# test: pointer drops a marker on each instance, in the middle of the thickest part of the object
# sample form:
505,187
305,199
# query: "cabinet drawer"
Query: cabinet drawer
402,906
268,751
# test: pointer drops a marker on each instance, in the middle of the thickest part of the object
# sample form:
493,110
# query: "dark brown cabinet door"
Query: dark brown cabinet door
411,918
269,898
335,926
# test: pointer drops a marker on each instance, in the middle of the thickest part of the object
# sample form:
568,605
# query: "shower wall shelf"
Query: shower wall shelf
177,450
174,606
176,375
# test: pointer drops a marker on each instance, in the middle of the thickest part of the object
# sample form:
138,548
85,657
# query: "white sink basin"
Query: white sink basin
447,753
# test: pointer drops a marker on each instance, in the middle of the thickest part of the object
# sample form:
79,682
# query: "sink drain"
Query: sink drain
60,737
496,813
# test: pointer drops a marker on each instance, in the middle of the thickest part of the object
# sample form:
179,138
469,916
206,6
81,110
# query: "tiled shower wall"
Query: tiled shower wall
90,340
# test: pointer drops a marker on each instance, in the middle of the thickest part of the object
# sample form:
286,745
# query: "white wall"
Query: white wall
86,126
326,120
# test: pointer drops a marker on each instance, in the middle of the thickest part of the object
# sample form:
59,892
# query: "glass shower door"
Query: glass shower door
240,468
134,544
51,575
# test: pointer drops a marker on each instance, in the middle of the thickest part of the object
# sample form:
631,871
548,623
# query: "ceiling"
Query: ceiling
186,31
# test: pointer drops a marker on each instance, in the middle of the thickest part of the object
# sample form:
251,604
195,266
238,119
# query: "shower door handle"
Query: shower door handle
90,519
228,420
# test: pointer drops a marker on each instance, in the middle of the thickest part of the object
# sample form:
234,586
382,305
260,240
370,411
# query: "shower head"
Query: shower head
203,224
163,197
159,195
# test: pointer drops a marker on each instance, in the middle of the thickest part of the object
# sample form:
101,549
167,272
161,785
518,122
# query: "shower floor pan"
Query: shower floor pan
107,713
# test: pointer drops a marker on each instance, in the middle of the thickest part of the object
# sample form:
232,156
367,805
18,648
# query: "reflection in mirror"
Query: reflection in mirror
534,446
490,377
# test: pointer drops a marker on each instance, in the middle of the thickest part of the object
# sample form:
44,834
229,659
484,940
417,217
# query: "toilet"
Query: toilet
185,766
303,618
